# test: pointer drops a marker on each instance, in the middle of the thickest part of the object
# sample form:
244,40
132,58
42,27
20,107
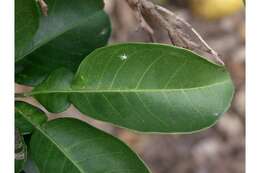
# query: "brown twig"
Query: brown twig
136,6
44,7
180,32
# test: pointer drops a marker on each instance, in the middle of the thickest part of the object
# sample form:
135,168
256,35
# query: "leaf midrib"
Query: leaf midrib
62,150
45,134
123,90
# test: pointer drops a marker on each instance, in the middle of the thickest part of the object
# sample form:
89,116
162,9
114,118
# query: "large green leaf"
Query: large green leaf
71,146
71,30
27,117
20,152
26,24
150,88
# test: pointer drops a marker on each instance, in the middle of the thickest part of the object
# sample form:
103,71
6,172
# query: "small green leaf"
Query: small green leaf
27,117
26,24
20,152
60,80
71,146
71,30
150,88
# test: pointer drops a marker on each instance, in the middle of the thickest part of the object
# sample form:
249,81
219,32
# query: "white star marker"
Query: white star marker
123,57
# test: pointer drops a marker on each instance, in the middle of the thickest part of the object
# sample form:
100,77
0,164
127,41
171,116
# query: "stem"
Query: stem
44,7
20,95
180,32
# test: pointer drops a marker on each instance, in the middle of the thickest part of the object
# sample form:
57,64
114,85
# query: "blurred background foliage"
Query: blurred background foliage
207,9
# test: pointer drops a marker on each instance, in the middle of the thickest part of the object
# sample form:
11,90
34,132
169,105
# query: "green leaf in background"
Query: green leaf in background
71,146
26,24
59,80
63,39
27,117
20,152
150,88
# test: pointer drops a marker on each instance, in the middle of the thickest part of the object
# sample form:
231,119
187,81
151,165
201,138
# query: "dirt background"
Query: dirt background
220,149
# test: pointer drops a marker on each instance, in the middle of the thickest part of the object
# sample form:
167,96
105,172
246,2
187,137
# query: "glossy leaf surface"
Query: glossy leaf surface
151,88
26,24
71,30
27,117
71,146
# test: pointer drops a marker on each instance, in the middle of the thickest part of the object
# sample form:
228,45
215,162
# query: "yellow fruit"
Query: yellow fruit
215,9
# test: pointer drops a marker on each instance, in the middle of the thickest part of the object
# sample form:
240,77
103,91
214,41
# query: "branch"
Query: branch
44,7
20,95
137,8
180,32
